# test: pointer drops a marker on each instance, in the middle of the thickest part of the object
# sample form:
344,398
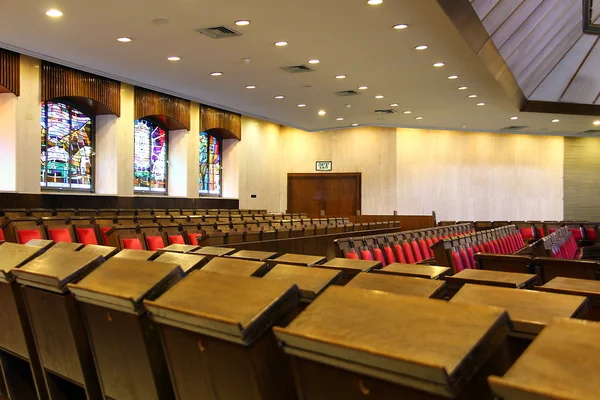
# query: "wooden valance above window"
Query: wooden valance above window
10,72
171,112
220,123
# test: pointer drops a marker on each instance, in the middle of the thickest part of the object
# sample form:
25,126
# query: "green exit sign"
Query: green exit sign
324,166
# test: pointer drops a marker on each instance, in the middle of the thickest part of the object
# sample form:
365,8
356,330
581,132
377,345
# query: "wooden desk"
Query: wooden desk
578,287
136,255
351,343
232,266
252,255
187,262
211,251
179,248
429,288
298,259
68,246
127,348
561,363
43,243
490,278
415,270
311,281
529,310
57,323
20,363
217,334
104,251
350,267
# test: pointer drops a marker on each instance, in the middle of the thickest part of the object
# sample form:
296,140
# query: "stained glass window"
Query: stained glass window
66,147
150,157
210,164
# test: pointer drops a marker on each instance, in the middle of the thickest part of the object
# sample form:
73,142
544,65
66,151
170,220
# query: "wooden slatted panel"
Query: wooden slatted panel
63,82
582,179
225,124
10,71
149,103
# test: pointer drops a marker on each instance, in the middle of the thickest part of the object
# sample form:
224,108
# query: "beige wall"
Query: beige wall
582,178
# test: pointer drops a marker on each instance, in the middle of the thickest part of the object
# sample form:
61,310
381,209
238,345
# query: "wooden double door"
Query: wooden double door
336,194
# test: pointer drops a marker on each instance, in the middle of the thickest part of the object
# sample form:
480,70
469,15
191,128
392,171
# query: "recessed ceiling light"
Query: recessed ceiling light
514,118
281,44
280,97
216,73
421,47
453,77
250,87
379,96
556,120
173,58
407,112
340,77
481,104
462,88
419,118
394,105
301,105
340,119
400,26
354,124
313,61
596,123
439,64
472,96
242,22
54,13
362,88
374,2
124,39
322,112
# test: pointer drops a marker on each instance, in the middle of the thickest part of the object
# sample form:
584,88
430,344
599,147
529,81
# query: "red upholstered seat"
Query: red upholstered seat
435,239
489,248
408,254
577,235
366,254
132,244
541,233
458,266
527,233
590,232
479,248
389,254
193,237
399,254
60,235
471,255
86,236
104,237
352,255
502,245
429,243
155,242
176,239
25,235
496,247
2,235
416,251
378,254
464,258
423,248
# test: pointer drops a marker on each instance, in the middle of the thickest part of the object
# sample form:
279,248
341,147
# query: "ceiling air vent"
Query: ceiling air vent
345,93
514,128
295,69
219,32
385,112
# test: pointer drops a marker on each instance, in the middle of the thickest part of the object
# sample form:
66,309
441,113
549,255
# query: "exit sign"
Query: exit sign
324,165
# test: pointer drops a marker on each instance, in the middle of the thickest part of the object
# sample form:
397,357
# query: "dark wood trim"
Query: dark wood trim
551,107
91,93
171,112
220,123
10,72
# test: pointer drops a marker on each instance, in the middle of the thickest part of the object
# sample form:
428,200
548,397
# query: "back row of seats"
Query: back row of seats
408,247
562,243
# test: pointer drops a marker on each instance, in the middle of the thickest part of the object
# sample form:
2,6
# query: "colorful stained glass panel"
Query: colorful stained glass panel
150,157
210,165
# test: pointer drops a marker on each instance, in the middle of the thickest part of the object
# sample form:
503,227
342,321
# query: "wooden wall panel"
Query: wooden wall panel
95,94
582,178
172,112
224,124
10,72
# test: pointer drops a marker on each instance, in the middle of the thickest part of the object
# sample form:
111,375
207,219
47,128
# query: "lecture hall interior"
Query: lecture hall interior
321,200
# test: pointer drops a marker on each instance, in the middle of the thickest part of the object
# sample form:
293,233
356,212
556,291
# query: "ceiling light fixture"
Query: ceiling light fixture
419,118
54,13
596,123
281,44
472,96
322,112
250,87
124,39
173,58
394,105
354,124
216,73
313,61
242,22
374,2
379,96
301,105
400,26
439,64
280,97
362,88
451,77
421,47
514,118
340,119
340,77
481,104
556,120
407,112
462,88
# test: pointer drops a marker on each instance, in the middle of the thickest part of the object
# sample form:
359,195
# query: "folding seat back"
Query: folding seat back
171,233
498,224
160,212
41,212
59,229
343,247
22,230
214,212
66,212
236,219
125,237
577,231
464,257
14,212
446,223
187,211
483,225
590,231
456,263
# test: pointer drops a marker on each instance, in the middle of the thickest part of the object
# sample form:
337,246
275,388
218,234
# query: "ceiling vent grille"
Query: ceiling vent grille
385,112
219,32
514,128
296,69
346,93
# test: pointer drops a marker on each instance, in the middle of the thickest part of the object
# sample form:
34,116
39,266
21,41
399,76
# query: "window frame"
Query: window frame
45,187
220,140
149,191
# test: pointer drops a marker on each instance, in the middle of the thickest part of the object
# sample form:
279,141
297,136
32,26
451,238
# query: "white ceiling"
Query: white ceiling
348,36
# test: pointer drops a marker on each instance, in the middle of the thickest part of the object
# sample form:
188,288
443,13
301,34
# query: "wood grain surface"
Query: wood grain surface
398,284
